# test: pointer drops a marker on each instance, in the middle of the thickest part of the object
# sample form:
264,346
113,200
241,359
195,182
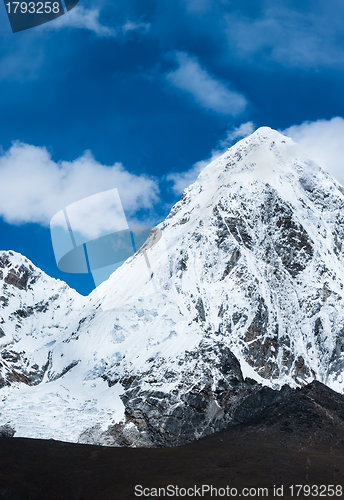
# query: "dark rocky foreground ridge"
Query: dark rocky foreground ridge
296,440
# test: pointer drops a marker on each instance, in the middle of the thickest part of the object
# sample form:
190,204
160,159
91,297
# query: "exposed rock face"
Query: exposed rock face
247,284
30,309
6,431
199,405
163,419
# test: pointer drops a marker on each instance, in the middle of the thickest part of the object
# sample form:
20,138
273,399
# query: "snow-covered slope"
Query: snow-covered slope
247,284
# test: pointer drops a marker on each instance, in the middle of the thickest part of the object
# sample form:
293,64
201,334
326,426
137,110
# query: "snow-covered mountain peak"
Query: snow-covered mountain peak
265,157
245,282
19,272
248,237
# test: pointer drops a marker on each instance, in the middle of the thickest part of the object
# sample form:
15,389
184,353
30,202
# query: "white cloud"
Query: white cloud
206,90
89,19
323,142
181,180
131,26
240,132
93,216
34,187
81,18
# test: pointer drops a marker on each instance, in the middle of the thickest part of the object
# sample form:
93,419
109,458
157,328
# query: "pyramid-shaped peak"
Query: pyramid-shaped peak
264,161
264,153
268,133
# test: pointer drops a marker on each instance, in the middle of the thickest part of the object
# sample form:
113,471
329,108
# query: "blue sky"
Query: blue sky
139,94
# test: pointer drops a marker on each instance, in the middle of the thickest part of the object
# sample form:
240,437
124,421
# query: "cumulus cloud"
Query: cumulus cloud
322,141
206,90
93,216
34,187
181,180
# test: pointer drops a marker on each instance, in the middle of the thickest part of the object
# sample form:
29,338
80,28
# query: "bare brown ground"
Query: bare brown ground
297,441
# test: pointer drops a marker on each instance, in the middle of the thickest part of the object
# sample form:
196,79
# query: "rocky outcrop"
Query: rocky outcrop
6,431
217,399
